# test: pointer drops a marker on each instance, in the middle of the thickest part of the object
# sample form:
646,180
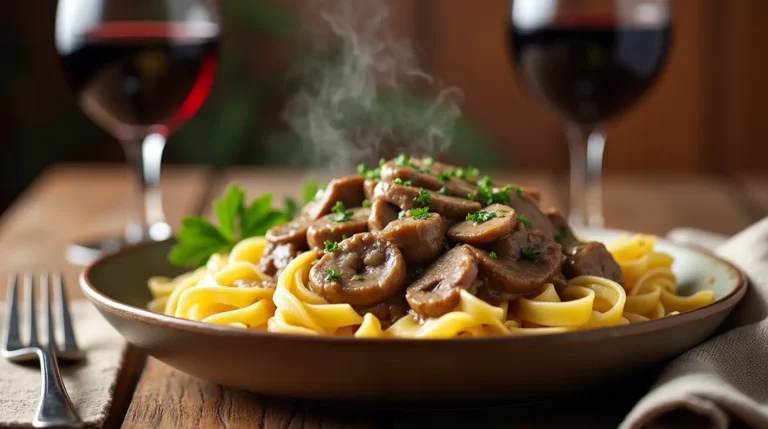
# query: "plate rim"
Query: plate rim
143,315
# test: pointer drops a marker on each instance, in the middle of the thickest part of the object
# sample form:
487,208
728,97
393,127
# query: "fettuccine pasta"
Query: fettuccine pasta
231,291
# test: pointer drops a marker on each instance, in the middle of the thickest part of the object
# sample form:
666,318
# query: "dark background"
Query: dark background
706,115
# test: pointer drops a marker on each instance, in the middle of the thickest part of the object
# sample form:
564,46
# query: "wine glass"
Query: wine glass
140,69
589,60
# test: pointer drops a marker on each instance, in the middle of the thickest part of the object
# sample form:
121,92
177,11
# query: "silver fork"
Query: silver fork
55,408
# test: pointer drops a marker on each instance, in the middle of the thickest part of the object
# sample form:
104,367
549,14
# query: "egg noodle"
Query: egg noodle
215,293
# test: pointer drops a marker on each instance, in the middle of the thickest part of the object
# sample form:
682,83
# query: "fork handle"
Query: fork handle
55,408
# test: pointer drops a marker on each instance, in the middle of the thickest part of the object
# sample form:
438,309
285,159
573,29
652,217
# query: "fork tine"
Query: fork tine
45,289
29,298
70,343
12,340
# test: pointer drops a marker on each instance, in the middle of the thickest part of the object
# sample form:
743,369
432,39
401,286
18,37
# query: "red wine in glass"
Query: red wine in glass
590,70
139,69
141,74
589,61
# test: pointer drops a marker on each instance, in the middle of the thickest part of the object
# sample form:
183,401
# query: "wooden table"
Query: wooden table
74,201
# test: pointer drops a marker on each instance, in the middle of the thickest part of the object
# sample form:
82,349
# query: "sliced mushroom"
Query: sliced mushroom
348,190
405,198
277,256
563,232
328,228
382,213
527,207
363,271
437,291
420,240
454,186
388,311
368,186
481,233
293,232
524,261
592,259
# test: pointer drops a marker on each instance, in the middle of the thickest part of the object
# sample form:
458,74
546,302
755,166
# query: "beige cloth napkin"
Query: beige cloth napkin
90,384
724,380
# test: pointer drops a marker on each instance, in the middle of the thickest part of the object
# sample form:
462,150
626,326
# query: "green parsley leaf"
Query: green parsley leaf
369,173
519,191
330,246
445,176
198,239
228,208
358,277
420,214
443,191
531,253
428,161
423,198
399,181
403,160
366,204
485,182
493,255
471,196
402,215
466,174
331,275
311,190
480,216
340,214
522,219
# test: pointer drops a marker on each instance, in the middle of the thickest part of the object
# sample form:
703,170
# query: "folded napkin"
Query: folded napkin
90,383
723,381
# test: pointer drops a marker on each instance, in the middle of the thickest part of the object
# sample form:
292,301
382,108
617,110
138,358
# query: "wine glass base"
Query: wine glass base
86,253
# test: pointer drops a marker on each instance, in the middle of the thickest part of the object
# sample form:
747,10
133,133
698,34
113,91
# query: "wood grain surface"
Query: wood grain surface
71,202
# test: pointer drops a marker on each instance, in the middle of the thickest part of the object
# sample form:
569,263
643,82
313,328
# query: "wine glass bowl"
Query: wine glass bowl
139,69
589,60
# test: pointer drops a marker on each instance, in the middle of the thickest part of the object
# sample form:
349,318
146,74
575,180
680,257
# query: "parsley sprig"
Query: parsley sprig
340,214
522,219
480,216
423,198
420,214
198,238
561,234
399,181
370,173
332,275
330,246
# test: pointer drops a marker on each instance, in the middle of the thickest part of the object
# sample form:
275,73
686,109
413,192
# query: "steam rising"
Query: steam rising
359,105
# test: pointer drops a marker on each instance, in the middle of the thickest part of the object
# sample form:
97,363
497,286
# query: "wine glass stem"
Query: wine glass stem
586,145
147,220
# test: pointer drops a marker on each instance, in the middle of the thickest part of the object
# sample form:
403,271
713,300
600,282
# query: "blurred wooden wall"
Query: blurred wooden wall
706,114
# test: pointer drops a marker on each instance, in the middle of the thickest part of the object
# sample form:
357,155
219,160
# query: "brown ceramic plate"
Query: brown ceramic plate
402,370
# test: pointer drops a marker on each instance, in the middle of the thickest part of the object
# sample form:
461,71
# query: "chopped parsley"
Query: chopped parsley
561,234
340,215
402,160
522,219
428,162
480,216
369,173
531,253
443,191
330,246
402,215
399,181
366,204
489,195
493,255
331,275
358,277
485,182
467,173
420,214
423,198
445,176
